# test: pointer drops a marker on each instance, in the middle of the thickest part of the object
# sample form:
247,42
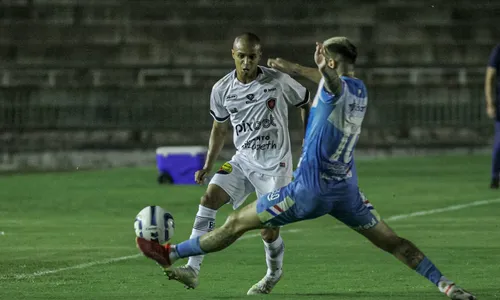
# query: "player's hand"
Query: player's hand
491,111
200,175
319,56
281,65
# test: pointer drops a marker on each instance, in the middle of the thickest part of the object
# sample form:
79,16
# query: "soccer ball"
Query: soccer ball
153,223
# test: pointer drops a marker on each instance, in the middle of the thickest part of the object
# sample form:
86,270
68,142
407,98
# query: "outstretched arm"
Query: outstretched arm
294,69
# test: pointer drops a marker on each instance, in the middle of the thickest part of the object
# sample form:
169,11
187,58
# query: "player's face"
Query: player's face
246,58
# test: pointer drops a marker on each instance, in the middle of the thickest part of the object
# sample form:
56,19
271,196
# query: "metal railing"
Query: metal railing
397,115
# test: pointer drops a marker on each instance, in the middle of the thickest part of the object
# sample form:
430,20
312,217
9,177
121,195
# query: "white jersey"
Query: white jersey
259,114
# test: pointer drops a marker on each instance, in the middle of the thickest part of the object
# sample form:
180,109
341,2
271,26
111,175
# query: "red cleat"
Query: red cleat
155,251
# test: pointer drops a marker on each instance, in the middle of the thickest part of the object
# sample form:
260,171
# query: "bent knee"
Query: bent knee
233,223
214,198
237,224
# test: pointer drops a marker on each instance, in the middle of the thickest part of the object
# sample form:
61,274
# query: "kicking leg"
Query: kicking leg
220,238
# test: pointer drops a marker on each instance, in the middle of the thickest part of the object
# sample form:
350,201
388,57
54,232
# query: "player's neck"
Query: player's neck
246,79
345,71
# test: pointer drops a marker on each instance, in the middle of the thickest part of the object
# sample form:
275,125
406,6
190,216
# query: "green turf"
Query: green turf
59,220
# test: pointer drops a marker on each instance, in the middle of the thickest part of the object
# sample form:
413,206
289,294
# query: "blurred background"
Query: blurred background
95,83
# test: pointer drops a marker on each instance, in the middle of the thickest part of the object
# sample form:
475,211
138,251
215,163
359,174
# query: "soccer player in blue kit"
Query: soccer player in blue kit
326,181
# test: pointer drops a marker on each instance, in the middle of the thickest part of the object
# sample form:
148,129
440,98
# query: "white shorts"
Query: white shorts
239,181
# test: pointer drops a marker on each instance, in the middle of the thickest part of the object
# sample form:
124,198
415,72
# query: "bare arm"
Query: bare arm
215,144
489,90
333,84
294,69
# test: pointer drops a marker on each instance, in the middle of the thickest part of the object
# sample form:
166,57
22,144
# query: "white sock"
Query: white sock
274,256
204,222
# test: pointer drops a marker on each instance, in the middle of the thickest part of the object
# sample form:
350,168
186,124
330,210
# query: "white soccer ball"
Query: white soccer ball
153,223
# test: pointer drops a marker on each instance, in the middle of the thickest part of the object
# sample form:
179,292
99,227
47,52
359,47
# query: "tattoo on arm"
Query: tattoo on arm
332,81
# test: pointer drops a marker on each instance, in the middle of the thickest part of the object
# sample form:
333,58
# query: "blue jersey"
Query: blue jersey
326,180
313,108
332,135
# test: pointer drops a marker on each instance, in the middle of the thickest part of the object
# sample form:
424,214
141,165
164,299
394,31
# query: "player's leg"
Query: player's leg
495,164
220,238
273,243
273,209
382,236
360,215
228,185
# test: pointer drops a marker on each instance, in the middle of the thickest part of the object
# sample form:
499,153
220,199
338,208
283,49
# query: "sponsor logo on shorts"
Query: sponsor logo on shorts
226,168
369,225
269,90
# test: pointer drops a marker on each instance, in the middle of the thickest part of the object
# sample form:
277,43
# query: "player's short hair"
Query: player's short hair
249,37
342,46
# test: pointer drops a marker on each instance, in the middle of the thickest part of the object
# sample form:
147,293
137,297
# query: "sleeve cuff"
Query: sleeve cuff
305,101
218,119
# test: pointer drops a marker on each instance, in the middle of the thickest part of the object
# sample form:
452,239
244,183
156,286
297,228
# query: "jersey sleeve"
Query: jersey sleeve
217,109
294,92
329,98
494,60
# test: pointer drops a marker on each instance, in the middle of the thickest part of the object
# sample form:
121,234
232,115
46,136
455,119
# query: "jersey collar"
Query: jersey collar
259,71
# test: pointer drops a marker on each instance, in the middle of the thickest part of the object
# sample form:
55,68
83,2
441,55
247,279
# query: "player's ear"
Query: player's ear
332,63
232,53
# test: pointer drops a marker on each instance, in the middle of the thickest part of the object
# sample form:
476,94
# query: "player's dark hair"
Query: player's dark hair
343,47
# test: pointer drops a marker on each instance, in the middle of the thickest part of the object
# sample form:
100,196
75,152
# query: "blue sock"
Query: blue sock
189,248
427,269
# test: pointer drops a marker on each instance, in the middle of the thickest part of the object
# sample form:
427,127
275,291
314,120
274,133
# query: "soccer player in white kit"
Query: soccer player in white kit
255,99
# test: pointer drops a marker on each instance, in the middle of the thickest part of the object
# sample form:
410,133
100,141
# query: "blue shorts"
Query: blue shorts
296,202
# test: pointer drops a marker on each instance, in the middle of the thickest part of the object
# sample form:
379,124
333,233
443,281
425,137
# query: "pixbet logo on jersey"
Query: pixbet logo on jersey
254,125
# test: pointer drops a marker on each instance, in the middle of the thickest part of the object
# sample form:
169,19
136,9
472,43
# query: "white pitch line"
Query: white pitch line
121,258
80,266
440,210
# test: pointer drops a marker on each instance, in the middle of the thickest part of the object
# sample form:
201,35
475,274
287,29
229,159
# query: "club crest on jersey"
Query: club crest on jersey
226,168
271,103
